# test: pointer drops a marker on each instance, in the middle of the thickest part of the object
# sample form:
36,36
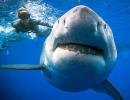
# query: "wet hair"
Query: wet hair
23,13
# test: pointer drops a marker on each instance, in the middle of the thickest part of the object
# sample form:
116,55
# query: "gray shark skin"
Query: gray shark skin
70,50
79,54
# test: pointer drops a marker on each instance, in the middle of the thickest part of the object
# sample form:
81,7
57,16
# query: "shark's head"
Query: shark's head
80,50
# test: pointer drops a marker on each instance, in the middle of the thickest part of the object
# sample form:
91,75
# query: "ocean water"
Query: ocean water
31,85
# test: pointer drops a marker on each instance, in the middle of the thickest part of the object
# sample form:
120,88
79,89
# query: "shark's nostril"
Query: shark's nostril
100,23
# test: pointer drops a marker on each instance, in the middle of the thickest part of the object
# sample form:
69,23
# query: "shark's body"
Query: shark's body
79,53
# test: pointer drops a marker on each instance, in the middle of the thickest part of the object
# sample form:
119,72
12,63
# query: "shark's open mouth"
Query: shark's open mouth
81,48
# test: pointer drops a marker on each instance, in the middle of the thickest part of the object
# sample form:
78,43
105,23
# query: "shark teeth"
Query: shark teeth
81,48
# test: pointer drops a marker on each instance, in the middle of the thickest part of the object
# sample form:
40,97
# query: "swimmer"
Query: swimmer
27,24
24,24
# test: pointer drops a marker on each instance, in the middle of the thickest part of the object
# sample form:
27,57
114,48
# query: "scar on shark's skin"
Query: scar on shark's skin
79,54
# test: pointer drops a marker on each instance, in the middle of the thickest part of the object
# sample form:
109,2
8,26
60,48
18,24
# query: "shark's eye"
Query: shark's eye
64,21
98,25
105,26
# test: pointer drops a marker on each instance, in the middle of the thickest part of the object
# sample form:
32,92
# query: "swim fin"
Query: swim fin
22,67
109,89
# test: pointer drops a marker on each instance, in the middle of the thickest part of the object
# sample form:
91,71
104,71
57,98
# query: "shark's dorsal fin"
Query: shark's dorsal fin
109,89
22,67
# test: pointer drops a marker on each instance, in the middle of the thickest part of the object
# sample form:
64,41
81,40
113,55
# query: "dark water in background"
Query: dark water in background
31,85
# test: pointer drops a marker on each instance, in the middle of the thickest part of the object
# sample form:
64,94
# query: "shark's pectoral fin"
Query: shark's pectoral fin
109,89
22,67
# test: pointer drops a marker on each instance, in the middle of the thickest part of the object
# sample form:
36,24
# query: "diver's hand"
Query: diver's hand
50,25
46,24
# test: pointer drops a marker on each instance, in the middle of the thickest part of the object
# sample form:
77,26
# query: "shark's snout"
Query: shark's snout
83,11
82,16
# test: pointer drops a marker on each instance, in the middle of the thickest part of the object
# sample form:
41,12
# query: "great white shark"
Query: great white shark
79,54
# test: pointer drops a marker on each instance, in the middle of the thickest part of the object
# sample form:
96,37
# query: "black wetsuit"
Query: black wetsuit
31,26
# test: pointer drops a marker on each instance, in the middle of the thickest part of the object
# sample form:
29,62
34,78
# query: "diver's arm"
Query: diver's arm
15,25
40,22
45,24
43,31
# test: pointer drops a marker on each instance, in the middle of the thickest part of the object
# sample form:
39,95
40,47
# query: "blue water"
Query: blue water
31,85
